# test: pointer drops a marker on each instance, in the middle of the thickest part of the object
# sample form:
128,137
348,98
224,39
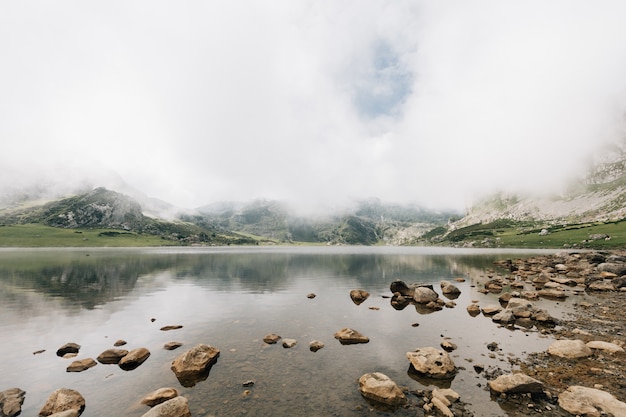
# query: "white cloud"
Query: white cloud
426,101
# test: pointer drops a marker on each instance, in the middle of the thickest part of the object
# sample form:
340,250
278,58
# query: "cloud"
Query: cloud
429,102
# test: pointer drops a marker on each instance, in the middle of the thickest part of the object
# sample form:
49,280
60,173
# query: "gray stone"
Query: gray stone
449,288
516,383
589,402
432,362
424,295
379,387
570,349
605,346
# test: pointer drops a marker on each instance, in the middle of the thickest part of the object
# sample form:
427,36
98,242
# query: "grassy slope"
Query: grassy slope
37,235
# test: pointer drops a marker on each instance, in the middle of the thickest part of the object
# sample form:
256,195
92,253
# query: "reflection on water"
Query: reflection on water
230,298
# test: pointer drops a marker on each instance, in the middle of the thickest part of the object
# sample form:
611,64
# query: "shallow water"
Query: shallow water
230,298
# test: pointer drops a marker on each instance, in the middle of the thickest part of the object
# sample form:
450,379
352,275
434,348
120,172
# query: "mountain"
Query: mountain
101,208
368,222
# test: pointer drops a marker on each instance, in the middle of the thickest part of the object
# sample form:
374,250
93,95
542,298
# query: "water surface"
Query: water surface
230,298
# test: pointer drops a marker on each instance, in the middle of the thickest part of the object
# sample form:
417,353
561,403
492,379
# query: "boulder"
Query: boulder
473,309
134,358
66,413
176,407
570,349
347,336
552,294
289,343
81,365
358,296
617,268
379,387
112,356
516,384
11,401
63,399
491,309
402,288
159,396
605,346
449,288
590,402
194,365
68,348
432,362
602,285
424,295
271,338
316,345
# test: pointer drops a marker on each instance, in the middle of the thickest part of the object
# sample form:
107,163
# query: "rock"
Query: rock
570,349
310,296
194,365
424,295
449,288
112,356
358,296
491,309
316,345
494,286
289,343
11,401
171,327
379,387
159,396
176,407
473,309
347,336
172,345
432,362
63,399
134,358
448,346
617,268
505,316
515,384
583,401
119,342
66,413
402,288
271,338
602,285
605,346
552,293
68,348
81,365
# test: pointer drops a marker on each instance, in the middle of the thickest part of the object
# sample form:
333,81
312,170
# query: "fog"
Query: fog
432,102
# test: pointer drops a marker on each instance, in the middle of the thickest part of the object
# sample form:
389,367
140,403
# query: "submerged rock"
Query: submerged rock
379,387
271,338
289,343
432,362
63,399
11,401
176,407
159,396
347,336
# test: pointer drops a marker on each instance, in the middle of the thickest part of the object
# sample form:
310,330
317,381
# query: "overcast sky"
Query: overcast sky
435,102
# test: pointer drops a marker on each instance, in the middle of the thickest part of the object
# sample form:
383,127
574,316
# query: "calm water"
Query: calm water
230,298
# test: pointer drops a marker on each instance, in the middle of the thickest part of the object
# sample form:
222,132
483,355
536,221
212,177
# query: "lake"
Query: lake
230,298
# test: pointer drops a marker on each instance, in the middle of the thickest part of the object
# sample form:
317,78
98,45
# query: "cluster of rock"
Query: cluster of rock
422,295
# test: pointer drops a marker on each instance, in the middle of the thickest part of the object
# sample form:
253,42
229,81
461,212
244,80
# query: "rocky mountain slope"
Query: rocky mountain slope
598,196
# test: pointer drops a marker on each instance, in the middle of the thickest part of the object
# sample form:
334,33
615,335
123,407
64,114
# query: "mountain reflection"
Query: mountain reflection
87,279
